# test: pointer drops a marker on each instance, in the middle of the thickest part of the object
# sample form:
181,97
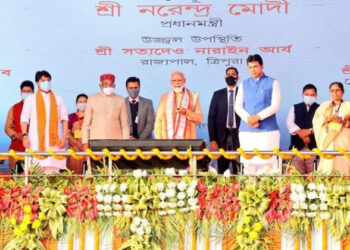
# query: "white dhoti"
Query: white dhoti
263,141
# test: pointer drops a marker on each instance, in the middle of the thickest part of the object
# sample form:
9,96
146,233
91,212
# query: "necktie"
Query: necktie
133,101
230,110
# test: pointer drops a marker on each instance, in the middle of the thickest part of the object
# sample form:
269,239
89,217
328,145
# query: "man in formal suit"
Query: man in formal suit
140,111
105,115
223,122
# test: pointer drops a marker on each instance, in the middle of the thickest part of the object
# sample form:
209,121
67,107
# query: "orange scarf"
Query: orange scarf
41,120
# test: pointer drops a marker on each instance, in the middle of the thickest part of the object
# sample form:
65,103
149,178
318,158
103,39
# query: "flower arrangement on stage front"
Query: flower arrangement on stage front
140,235
280,206
251,224
180,196
150,210
53,205
81,205
27,231
26,221
220,202
110,199
338,200
309,206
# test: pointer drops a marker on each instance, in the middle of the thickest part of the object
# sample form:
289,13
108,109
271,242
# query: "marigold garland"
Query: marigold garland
160,155
57,157
110,156
300,155
128,157
210,155
143,156
343,151
74,155
244,155
229,157
15,156
322,155
257,152
33,154
178,155
283,156
92,156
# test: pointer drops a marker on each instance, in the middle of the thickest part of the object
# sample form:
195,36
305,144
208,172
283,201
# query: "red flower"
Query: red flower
236,186
81,203
201,186
220,201
280,206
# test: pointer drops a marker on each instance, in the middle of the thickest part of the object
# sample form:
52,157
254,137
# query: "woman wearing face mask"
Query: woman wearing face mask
74,135
331,127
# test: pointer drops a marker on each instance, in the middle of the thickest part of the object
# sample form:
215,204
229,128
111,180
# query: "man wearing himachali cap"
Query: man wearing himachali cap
105,116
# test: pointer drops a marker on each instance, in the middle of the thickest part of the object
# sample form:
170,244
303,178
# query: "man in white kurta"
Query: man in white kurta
29,118
258,100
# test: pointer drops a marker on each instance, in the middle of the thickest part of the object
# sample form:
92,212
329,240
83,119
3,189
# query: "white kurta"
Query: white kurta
29,115
260,140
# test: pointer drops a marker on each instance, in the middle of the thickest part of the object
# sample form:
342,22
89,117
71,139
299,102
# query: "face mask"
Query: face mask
134,93
178,90
45,86
108,90
231,80
25,95
81,106
309,100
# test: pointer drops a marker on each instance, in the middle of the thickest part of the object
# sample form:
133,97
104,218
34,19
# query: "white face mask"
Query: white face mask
81,106
45,86
178,90
25,95
309,100
108,90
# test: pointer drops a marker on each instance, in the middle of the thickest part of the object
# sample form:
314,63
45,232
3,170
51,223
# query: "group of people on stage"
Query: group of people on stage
239,116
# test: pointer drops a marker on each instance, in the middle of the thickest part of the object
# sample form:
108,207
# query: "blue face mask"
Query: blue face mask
25,95
45,86
309,100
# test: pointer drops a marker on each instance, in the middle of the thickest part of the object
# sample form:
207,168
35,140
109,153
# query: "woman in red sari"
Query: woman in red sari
75,122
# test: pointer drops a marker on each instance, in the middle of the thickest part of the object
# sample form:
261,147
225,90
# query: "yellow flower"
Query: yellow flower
253,235
23,227
246,219
239,238
257,227
26,219
247,229
13,221
239,229
42,216
36,224
17,232
27,209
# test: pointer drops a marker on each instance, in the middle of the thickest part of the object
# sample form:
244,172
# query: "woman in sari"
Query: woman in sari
331,127
75,122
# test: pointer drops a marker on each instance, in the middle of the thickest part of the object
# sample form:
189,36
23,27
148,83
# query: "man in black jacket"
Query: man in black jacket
223,122
299,123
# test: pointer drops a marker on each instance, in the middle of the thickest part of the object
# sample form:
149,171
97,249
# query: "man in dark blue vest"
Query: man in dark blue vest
258,100
223,122
299,123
